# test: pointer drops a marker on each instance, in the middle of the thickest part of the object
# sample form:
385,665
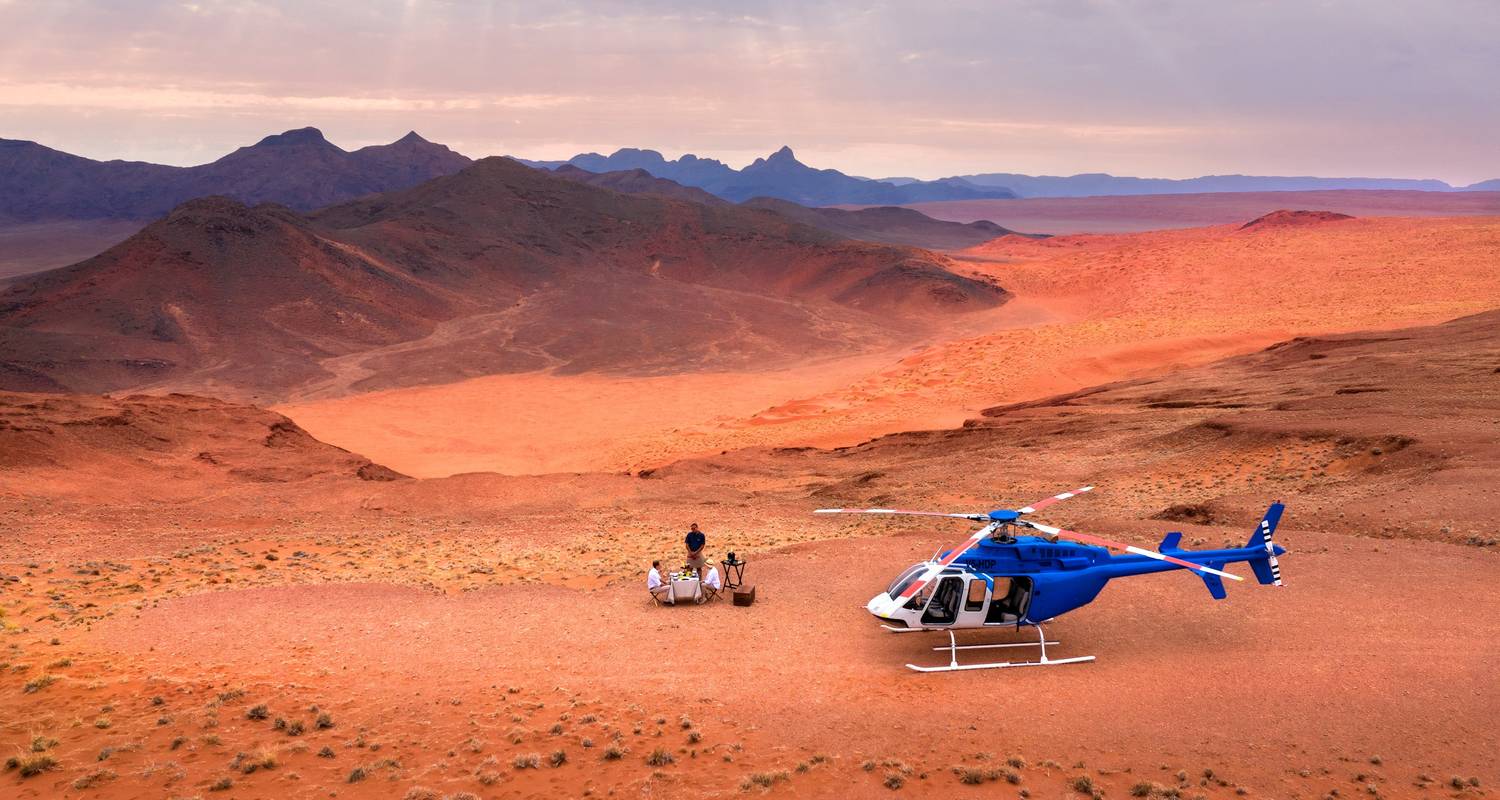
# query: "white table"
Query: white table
686,586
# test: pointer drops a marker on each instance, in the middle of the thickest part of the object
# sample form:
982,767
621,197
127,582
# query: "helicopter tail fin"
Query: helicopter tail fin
1267,568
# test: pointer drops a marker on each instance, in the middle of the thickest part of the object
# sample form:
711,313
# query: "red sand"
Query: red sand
433,622
1088,309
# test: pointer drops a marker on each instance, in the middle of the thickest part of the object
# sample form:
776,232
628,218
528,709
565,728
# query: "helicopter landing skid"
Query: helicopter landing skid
953,648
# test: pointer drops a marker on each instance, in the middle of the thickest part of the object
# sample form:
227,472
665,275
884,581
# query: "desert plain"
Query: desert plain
435,588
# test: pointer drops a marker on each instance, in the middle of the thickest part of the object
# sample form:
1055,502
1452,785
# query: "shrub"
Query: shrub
358,774
1082,783
35,764
221,784
660,758
893,780
613,753
41,744
258,713
93,778
39,683
326,752
528,761
324,721
766,779
559,758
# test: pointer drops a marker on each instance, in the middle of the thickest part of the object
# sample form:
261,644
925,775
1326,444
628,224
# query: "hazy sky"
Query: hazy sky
1169,88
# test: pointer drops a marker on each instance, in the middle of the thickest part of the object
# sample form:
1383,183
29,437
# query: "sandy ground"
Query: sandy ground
427,638
1088,309
1070,215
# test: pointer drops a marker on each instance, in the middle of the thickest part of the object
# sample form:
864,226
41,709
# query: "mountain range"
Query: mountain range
302,170
495,268
299,169
780,176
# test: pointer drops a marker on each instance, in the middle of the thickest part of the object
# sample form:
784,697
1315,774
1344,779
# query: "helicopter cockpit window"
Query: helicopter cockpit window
975,599
904,580
919,600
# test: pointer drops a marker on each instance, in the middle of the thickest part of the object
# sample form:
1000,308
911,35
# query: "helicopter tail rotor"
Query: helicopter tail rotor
1267,568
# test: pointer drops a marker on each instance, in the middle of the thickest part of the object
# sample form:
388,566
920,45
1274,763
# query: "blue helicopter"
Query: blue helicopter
999,579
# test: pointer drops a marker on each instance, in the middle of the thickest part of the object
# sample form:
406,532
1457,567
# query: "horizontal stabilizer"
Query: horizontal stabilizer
1172,541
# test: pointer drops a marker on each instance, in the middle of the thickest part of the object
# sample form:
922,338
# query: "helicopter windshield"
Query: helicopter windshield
904,580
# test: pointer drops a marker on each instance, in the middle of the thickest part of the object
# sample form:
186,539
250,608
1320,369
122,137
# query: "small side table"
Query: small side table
734,573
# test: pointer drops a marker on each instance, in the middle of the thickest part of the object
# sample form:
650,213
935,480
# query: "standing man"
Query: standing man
695,541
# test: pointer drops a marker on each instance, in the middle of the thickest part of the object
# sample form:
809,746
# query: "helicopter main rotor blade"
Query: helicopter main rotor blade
1129,548
935,568
1057,498
902,512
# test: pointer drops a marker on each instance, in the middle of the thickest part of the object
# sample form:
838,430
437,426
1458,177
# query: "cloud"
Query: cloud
168,98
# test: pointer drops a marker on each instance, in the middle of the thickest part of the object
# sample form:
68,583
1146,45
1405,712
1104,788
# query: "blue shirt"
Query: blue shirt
695,540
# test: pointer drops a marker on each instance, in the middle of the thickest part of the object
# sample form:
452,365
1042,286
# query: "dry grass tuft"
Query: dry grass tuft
29,764
527,761
93,778
39,683
660,758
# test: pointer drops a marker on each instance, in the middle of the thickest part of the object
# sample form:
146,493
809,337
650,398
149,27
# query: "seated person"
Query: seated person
713,581
659,589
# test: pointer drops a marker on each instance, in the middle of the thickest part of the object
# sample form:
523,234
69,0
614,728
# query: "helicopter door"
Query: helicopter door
976,598
943,610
